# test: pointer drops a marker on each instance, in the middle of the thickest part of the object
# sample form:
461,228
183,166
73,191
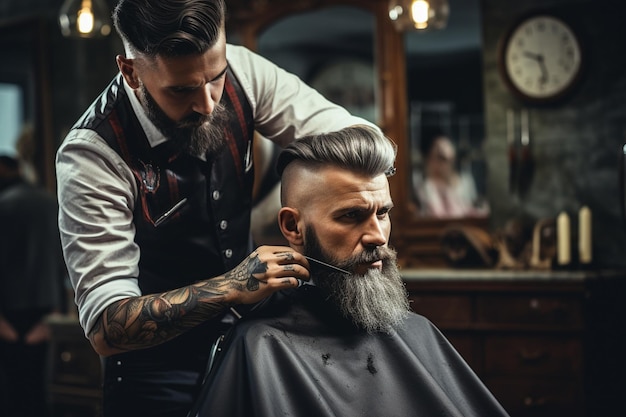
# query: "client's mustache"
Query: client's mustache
379,253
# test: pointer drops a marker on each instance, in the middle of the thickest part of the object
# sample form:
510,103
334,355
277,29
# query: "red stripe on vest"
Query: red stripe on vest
232,145
114,121
232,94
121,141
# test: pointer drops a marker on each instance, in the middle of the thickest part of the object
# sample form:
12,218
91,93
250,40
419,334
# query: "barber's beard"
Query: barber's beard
376,301
196,134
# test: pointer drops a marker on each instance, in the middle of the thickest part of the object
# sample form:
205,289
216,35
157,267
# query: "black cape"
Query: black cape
294,355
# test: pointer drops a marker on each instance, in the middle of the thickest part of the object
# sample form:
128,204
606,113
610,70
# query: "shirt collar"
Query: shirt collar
155,137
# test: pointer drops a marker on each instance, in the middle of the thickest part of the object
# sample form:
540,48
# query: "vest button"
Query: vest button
216,195
228,253
223,225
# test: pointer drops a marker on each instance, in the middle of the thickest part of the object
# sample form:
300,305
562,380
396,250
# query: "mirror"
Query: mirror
445,96
417,238
24,99
338,61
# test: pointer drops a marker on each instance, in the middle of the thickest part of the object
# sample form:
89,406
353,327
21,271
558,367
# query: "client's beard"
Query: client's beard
376,301
196,134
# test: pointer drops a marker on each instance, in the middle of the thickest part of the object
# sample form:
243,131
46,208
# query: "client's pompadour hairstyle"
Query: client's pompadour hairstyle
358,148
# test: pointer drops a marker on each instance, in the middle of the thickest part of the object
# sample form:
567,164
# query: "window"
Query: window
11,116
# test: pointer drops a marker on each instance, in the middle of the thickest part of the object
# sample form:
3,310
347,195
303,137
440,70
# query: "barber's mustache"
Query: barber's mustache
194,120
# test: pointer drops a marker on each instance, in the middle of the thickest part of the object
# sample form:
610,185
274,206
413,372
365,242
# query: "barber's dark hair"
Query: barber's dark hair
169,27
359,148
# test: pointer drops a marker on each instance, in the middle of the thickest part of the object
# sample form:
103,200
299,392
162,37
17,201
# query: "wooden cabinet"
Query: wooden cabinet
544,343
75,385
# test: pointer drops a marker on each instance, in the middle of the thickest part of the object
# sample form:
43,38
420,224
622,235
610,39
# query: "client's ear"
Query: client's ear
288,219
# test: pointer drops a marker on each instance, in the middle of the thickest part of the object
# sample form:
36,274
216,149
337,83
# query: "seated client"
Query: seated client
347,345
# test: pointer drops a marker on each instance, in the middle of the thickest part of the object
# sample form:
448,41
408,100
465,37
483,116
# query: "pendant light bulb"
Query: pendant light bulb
420,10
419,15
85,18
85,21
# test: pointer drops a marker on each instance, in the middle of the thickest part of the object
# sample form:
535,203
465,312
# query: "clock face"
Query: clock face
542,58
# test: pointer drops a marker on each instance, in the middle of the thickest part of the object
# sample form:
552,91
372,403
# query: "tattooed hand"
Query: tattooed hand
267,269
148,320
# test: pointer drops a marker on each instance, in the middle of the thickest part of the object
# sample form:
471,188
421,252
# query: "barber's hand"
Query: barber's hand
264,271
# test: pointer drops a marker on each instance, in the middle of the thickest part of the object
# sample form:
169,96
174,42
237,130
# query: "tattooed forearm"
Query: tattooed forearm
140,322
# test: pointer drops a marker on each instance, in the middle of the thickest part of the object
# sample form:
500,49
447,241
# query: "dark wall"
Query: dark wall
576,143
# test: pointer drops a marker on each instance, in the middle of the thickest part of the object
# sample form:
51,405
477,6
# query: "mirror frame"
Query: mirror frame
416,239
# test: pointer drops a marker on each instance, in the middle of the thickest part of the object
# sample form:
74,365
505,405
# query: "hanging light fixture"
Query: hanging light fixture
419,14
85,18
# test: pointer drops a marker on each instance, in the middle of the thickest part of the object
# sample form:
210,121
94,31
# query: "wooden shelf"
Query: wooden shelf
545,343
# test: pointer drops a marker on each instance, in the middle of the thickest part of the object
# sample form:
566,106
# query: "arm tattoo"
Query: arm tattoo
244,273
145,321
140,322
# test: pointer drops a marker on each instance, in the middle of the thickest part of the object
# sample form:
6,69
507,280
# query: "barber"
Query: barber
154,187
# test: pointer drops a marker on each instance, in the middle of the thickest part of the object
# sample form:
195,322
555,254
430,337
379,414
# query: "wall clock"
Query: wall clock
541,59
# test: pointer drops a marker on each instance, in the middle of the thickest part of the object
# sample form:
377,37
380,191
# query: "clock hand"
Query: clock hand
543,79
533,56
542,65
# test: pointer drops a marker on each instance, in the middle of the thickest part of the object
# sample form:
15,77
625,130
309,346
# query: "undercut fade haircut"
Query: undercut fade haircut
169,27
358,148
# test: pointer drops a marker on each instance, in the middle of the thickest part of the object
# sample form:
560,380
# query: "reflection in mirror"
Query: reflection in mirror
444,77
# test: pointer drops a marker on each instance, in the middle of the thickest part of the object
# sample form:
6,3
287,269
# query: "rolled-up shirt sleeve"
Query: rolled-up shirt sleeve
96,192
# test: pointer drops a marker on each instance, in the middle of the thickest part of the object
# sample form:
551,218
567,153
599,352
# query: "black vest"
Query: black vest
192,217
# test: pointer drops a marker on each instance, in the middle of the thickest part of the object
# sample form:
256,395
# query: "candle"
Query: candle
510,127
563,239
524,130
584,235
